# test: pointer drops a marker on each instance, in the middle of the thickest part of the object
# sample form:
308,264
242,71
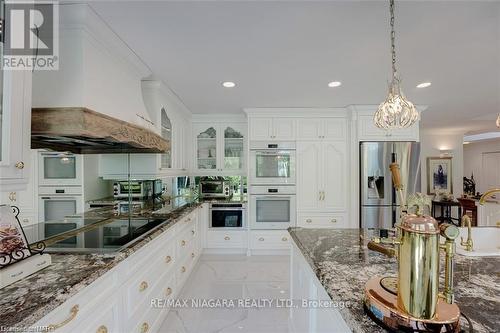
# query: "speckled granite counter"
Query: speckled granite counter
25,302
343,264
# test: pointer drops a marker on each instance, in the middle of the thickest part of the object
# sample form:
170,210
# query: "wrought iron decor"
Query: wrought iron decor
22,252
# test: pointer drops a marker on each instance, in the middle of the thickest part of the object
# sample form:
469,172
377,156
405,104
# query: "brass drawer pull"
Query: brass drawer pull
20,165
284,239
168,292
334,221
227,238
168,259
144,327
12,196
192,255
143,286
183,269
308,221
183,243
102,329
193,232
261,239
72,315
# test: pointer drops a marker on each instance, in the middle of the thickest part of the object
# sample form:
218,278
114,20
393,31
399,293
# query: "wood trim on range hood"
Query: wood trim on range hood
83,131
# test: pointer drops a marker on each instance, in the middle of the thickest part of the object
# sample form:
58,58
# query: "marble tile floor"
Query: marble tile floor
234,277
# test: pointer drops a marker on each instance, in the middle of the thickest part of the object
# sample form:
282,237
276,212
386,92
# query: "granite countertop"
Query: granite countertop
28,300
343,264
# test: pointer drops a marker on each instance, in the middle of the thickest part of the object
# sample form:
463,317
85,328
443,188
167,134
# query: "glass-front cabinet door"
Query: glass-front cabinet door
206,143
166,133
233,148
220,147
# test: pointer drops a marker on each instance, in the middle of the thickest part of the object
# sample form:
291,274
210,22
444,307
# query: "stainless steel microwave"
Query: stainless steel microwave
137,189
215,189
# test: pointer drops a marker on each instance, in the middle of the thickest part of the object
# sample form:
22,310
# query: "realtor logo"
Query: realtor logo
30,35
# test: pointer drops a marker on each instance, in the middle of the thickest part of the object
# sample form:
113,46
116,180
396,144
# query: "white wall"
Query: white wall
432,144
473,161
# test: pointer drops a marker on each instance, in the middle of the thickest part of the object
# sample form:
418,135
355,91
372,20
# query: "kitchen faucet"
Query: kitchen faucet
467,244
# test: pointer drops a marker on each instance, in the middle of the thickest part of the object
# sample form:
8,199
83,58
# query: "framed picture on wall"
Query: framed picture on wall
439,174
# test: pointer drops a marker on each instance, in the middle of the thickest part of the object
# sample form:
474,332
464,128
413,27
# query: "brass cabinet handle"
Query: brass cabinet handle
168,292
308,221
72,314
261,239
192,255
334,221
183,269
143,286
12,196
284,239
168,259
323,195
193,232
144,327
227,238
20,165
183,242
102,329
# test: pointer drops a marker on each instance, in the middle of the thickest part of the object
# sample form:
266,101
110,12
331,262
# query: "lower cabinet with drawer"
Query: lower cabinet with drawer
322,220
227,239
269,240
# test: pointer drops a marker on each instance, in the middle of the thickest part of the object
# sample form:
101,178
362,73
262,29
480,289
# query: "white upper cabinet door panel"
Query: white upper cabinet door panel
308,170
284,129
367,131
308,129
261,128
335,175
334,128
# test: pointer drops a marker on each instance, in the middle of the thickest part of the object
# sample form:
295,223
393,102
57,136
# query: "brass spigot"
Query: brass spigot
376,245
466,221
449,232
487,194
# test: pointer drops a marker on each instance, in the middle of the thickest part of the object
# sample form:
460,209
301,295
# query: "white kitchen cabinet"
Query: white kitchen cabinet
269,240
313,129
322,176
272,128
368,131
15,129
220,147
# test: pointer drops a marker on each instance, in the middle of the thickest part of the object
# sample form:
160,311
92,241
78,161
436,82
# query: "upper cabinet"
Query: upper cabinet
15,130
368,131
322,129
272,128
166,133
220,147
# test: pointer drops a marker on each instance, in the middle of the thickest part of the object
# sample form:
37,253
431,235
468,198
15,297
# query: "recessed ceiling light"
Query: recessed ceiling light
334,84
424,85
228,84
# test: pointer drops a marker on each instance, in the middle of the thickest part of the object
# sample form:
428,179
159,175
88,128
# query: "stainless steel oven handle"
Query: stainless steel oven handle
273,197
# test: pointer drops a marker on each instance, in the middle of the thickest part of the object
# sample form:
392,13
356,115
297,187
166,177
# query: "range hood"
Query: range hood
83,131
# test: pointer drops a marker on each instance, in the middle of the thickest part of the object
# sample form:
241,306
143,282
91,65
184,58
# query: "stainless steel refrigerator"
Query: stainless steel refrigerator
379,203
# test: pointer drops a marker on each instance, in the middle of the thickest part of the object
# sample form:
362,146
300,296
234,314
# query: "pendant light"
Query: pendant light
396,111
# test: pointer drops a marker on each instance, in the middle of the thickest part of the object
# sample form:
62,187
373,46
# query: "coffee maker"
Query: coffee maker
411,302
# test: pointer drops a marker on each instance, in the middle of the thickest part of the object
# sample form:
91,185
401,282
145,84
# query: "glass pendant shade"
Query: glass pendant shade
396,111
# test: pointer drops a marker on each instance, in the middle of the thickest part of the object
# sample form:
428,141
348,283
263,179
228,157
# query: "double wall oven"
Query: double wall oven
272,185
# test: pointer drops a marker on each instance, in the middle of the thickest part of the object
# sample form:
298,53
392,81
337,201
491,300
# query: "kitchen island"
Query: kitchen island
342,263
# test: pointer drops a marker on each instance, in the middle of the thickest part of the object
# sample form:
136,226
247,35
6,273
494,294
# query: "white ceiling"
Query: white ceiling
283,54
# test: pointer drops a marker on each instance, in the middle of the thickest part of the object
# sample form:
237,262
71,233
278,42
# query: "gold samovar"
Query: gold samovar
411,301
